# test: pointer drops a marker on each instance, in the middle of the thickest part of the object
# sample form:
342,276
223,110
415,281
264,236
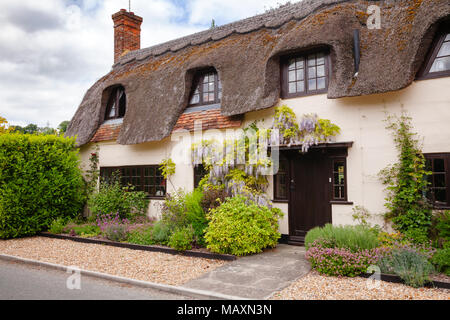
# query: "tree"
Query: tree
31,129
63,126
213,24
4,128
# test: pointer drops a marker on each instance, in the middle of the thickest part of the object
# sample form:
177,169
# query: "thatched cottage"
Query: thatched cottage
349,61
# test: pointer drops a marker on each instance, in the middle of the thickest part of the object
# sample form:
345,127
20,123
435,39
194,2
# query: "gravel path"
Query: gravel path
318,287
141,265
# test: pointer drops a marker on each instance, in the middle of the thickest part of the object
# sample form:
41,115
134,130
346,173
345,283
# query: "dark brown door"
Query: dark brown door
309,200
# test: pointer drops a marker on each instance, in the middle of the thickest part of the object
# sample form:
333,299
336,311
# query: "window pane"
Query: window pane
312,60
300,86
311,73
312,84
292,87
300,63
439,180
321,71
300,74
281,181
195,99
339,193
291,76
445,50
439,165
441,64
440,195
112,113
320,58
292,64
321,83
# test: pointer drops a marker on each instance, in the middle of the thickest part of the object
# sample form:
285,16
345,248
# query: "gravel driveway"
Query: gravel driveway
318,287
141,265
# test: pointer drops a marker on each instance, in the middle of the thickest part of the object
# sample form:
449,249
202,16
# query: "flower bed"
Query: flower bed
113,231
352,251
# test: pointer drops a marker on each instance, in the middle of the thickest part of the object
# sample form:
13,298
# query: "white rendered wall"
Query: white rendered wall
361,120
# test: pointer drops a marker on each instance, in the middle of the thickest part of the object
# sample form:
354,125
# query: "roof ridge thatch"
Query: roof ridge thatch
271,19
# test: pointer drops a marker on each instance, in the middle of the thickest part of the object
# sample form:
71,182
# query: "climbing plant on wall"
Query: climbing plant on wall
406,182
308,132
242,165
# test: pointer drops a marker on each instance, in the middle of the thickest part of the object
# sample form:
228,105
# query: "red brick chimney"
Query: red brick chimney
127,33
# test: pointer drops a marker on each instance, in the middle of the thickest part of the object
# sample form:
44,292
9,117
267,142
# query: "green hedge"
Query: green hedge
40,181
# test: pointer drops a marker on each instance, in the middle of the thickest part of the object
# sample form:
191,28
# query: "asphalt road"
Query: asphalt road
23,282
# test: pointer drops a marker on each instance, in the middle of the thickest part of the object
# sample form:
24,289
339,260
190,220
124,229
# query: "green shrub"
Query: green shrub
182,209
161,233
441,261
440,229
40,181
241,227
112,197
353,238
196,216
174,211
413,267
181,239
143,236
57,226
85,229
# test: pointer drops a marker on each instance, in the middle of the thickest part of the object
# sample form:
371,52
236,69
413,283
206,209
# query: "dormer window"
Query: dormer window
208,89
116,107
438,62
305,74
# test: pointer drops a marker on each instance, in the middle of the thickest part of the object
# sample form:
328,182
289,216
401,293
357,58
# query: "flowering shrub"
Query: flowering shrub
112,227
341,261
116,232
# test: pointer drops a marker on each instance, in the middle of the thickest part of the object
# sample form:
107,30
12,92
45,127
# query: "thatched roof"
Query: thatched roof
246,54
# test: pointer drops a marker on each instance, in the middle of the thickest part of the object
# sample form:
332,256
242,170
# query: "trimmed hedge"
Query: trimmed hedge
40,181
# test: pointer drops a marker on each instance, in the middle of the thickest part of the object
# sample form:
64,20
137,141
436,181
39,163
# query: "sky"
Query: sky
53,51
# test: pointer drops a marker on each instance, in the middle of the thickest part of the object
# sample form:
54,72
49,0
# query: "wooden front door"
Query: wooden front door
309,196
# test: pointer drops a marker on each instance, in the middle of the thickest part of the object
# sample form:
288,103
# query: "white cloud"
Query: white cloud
52,51
203,11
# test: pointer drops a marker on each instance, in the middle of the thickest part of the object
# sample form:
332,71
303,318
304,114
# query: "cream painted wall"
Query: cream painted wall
361,121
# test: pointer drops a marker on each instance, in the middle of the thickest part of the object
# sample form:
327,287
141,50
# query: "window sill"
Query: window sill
344,203
436,75
280,201
156,198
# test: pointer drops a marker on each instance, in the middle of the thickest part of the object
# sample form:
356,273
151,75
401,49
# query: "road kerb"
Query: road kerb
194,293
